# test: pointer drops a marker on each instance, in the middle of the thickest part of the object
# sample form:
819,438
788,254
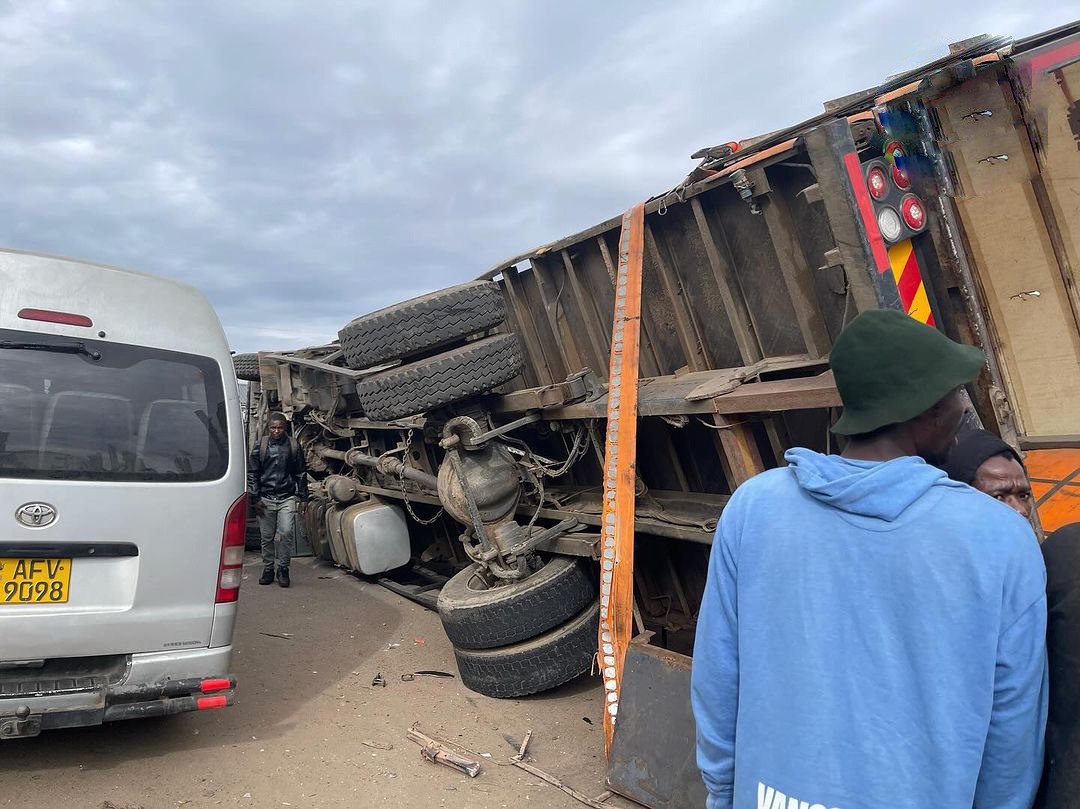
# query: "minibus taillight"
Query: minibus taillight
231,570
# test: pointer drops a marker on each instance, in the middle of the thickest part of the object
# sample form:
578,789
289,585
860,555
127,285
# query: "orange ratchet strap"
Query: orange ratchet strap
620,455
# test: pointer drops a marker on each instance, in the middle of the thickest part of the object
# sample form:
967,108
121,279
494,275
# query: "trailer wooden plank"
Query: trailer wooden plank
1037,333
529,335
757,269
589,316
530,374
680,243
720,262
605,254
551,300
666,396
798,279
689,338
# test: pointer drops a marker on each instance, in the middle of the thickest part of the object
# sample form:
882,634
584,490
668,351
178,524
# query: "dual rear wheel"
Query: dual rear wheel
522,637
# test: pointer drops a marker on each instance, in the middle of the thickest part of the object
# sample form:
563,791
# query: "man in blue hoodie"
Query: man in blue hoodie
872,634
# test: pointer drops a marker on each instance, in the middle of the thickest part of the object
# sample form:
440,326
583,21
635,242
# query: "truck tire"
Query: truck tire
440,380
536,665
476,617
246,366
405,329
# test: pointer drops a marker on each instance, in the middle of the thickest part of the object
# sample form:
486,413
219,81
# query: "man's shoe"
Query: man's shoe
267,576
283,576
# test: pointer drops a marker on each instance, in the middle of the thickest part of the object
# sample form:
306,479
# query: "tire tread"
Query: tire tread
514,612
536,665
441,380
408,328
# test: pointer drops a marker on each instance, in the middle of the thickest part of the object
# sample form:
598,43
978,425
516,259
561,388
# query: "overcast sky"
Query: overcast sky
305,162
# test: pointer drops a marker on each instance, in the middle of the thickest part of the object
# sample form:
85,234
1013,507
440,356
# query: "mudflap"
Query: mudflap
652,758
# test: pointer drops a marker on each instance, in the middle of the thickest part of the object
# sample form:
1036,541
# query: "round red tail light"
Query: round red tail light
877,183
900,176
913,212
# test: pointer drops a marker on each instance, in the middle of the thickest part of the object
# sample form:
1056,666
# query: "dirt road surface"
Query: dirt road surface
310,731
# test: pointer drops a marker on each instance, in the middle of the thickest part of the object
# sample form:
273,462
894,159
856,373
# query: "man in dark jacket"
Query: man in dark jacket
982,460
1061,781
277,479
987,463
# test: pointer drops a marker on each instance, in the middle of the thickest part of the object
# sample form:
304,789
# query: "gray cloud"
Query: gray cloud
306,162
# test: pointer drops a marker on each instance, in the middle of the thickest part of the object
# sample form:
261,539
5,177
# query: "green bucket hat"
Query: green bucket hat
890,368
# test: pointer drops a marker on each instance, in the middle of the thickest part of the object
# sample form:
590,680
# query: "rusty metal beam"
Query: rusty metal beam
741,459
652,757
825,146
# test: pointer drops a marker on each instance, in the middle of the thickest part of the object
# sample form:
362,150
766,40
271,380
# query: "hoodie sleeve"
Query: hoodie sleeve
1013,756
715,674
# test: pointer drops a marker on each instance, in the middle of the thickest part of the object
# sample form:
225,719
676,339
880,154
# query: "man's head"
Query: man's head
984,461
277,426
903,380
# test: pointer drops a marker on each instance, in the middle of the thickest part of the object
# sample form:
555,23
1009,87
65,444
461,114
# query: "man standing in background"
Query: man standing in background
982,460
987,463
277,479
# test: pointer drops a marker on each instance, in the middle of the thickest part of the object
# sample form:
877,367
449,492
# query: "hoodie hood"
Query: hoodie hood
879,490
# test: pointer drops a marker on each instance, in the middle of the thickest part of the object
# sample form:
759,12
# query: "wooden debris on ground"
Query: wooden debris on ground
441,754
555,782
524,746
518,761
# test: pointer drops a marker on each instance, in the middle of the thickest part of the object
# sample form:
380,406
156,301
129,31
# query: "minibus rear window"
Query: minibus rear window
76,409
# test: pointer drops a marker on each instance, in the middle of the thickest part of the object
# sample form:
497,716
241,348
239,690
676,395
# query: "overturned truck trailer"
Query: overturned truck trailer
468,430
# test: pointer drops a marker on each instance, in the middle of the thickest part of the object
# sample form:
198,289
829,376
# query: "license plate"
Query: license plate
34,581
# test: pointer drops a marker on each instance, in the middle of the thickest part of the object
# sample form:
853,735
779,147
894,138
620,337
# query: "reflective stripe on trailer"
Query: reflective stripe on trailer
909,282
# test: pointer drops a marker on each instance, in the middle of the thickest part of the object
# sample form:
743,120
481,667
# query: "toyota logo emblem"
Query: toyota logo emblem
35,515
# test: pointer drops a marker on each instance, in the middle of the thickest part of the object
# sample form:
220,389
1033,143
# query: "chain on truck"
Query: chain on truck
467,431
